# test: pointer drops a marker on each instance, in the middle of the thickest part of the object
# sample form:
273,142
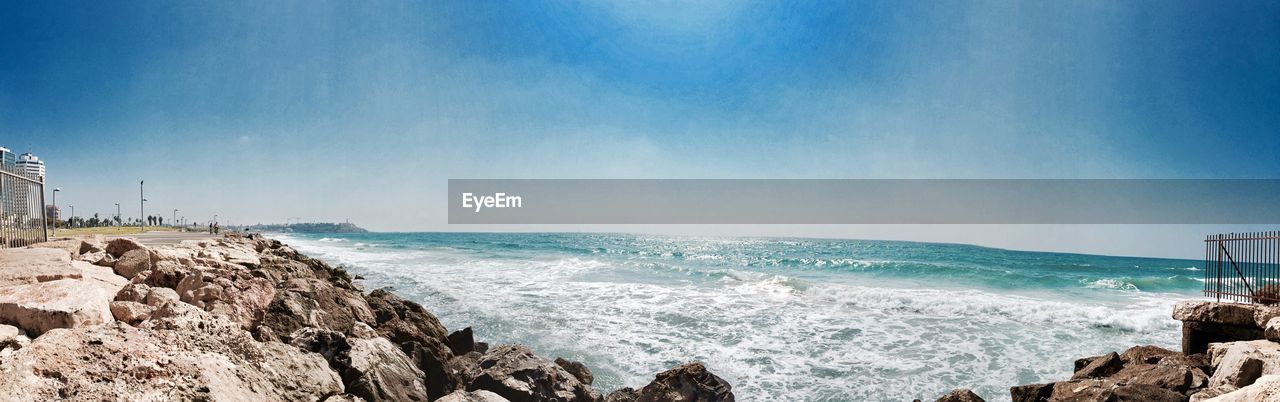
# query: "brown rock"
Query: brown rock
1215,312
1031,392
1211,392
133,262
689,382
71,246
515,373
622,395
130,312
1101,367
578,370
1267,388
961,395
1145,354
1272,330
372,369
472,396
118,246
462,342
309,302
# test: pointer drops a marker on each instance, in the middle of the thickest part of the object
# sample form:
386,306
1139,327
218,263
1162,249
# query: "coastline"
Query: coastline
250,318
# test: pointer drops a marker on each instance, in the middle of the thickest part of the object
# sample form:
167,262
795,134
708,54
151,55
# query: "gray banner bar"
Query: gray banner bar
863,201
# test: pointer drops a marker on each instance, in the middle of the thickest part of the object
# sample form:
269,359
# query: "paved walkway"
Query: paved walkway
166,238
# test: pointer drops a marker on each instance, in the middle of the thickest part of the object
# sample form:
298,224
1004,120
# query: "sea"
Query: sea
791,319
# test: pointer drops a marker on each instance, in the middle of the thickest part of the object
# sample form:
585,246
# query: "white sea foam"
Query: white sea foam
774,337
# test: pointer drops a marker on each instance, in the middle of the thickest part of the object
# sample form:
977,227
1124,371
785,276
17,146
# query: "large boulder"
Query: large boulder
73,247
372,368
472,396
961,395
163,362
1266,388
402,320
1239,364
1100,367
578,370
515,373
310,302
687,383
133,262
64,303
1205,322
31,265
118,246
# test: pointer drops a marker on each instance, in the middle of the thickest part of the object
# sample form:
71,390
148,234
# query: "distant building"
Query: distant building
30,165
8,159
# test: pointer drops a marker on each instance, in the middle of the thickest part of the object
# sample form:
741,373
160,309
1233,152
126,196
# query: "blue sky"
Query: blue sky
260,111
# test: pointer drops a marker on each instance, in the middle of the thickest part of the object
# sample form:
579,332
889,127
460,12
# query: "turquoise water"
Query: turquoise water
781,318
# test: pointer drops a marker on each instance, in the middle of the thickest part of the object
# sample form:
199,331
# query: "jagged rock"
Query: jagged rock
11,337
1145,354
578,370
64,303
372,369
1272,330
1266,388
626,394
32,265
118,246
1101,367
472,396
402,320
90,272
961,395
688,382
309,302
444,372
182,353
515,373
462,342
378,371
1173,377
133,262
130,312
1240,363
1031,392
264,333
1216,312
343,398
1211,392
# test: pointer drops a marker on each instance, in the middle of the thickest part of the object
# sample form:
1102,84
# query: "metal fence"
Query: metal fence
1243,267
22,213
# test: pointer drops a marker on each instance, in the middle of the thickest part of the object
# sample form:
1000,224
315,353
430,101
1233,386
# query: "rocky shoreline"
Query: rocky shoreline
249,318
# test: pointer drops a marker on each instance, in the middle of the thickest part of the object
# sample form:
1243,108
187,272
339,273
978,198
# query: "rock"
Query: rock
1272,330
472,396
1240,363
31,265
372,369
118,246
402,320
626,394
343,398
1031,392
515,373
378,371
1145,354
1266,388
71,246
688,382
1211,392
578,370
133,262
130,312
1101,367
11,337
1215,312
64,303
1172,377
1084,361
461,342
961,395
1144,393
309,302
90,272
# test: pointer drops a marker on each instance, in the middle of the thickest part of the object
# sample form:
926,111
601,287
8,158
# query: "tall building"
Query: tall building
30,165
8,159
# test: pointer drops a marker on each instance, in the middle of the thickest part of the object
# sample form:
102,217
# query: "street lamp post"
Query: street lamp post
73,215
142,206
55,210
175,218
117,213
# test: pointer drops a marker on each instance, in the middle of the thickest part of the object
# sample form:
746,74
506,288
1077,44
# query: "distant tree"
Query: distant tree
159,221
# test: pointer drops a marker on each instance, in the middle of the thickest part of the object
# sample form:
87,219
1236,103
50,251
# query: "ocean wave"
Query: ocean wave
331,240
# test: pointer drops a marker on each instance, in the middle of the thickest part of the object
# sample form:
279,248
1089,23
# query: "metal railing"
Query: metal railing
22,213
1243,267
